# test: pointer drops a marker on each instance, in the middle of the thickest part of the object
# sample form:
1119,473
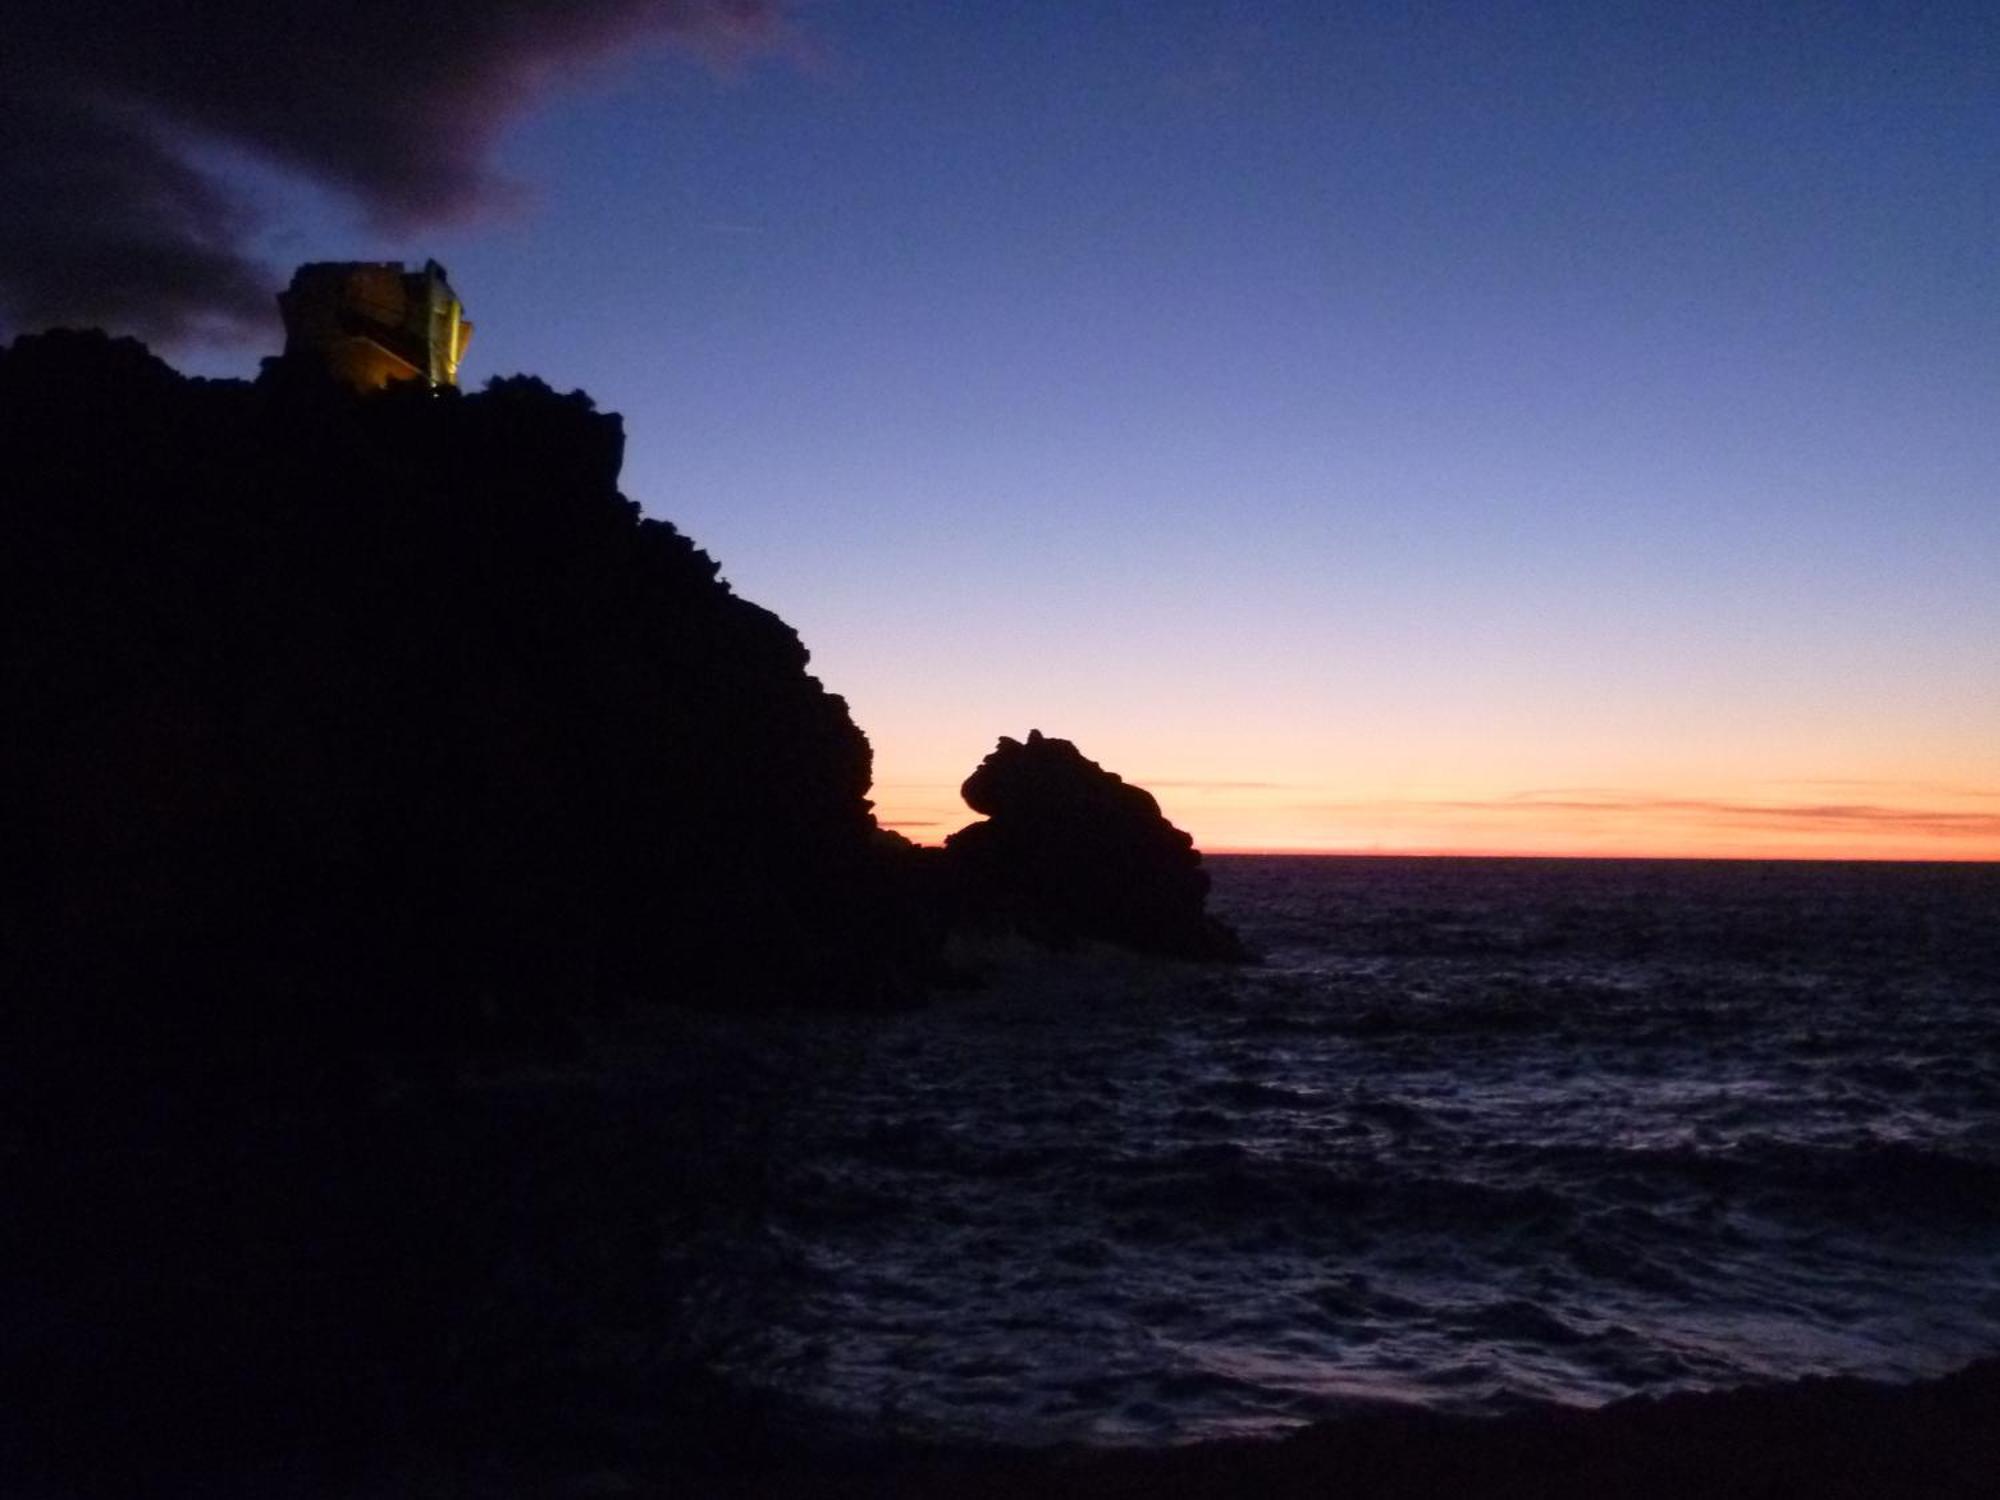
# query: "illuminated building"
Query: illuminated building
372,322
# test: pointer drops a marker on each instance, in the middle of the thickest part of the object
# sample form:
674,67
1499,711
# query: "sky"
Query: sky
1555,428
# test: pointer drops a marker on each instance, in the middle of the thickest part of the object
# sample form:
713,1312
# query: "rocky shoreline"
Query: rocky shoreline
1815,1437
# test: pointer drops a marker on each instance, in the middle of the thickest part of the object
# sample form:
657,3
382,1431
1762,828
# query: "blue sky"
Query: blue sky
1370,405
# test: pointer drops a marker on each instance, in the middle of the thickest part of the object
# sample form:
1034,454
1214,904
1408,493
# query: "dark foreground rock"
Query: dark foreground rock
1816,1439
387,720
1069,850
221,1283
1811,1440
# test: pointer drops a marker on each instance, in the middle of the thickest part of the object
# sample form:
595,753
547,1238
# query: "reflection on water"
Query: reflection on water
1478,1132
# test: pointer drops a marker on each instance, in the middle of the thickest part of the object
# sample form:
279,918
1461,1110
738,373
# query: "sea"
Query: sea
1475,1133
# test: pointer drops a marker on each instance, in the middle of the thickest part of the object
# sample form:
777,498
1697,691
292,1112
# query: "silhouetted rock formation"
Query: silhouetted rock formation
1070,851
388,717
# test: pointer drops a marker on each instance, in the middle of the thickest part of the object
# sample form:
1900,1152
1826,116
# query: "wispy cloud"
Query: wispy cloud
1207,786
1637,808
1920,788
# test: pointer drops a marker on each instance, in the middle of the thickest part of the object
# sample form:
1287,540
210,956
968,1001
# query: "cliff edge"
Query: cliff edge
387,718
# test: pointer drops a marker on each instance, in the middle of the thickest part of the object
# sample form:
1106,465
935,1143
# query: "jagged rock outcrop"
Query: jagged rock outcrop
1069,850
389,715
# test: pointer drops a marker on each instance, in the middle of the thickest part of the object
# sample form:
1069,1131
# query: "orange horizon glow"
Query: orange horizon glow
1875,821
1315,852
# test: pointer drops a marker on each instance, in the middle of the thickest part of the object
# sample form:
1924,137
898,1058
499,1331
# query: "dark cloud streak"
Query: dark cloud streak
1762,817
107,225
399,106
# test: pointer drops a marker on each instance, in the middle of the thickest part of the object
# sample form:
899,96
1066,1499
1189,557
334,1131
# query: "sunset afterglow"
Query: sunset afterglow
1099,750
1472,431
1845,822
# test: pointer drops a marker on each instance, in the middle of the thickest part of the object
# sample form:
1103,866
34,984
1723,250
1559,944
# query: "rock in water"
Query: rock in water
1070,851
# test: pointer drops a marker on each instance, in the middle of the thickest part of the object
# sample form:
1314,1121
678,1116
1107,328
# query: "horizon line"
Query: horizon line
1760,859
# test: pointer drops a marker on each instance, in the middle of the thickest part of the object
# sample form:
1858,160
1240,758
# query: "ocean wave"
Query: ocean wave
1445,1146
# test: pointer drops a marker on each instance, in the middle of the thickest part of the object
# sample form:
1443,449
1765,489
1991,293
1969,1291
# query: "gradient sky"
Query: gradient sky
1477,427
